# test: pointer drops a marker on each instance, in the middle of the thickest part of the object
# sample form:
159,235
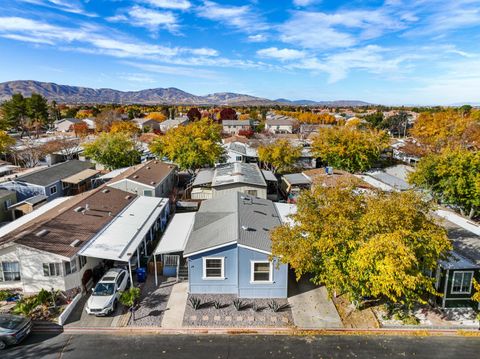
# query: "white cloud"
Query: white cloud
370,58
281,54
152,20
304,2
137,77
258,38
169,4
71,6
243,18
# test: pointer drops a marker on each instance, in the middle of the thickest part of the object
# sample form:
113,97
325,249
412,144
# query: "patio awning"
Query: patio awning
121,238
176,235
80,176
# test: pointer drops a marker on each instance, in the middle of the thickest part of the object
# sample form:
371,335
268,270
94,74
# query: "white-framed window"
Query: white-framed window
261,272
462,282
9,271
213,267
53,190
238,158
70,267
52,269
82,260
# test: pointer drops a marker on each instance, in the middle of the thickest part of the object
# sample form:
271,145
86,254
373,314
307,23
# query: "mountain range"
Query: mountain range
85,95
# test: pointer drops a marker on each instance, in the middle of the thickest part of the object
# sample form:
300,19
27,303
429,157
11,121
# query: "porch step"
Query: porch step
183,273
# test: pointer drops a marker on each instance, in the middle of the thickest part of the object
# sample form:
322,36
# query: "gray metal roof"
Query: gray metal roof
269,176
465,243
238,172
55,173
390,180
234,218
203,177
297,179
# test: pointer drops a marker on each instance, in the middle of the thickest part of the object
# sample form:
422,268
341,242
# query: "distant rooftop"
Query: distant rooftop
52,174
238,172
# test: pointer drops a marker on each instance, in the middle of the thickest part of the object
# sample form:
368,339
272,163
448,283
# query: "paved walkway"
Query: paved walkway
173,315
311,307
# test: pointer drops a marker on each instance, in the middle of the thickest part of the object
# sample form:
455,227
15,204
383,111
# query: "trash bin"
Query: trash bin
141,275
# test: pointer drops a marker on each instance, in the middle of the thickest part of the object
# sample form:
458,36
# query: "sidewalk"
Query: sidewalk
173,316
312,308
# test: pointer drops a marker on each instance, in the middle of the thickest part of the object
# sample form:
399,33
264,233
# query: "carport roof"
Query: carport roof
122,236
176,234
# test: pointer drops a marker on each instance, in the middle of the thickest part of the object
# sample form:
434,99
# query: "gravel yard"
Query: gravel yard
228,316
153,302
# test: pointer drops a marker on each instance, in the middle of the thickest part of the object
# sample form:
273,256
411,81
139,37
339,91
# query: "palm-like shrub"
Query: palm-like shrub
129,297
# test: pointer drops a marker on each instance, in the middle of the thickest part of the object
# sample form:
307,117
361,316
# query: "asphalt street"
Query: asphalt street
105,346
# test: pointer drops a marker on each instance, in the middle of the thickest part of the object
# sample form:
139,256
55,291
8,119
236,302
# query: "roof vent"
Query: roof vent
79,209
106,190
136,176
128,197
152,182
246,228
42,233
75,243
87,207
148,167
260,212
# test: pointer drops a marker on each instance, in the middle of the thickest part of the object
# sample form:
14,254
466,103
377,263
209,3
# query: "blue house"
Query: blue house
229,249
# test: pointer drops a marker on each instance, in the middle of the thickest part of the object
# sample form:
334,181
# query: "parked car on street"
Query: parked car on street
13,329
105,295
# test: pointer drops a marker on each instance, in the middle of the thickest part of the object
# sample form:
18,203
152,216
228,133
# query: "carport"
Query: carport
173,241
125,238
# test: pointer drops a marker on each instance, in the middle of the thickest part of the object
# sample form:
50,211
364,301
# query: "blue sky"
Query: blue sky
390,52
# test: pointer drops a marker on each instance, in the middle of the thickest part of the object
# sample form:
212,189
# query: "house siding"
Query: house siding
5,214
246,289
229,285
237,266
454,300
225,189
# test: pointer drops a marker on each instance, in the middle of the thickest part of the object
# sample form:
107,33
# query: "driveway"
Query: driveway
80,319
311,307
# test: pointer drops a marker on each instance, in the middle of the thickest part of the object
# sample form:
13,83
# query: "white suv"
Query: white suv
104,298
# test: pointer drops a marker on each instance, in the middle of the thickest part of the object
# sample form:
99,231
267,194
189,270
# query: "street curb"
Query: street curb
261,331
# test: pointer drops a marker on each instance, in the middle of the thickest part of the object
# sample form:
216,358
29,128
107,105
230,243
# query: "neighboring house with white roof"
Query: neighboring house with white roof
66,124
231,177
240,152
172,123
232,127
148,123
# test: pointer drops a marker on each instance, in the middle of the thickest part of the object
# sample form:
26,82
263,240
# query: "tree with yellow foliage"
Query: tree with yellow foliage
127,127
364,245
279,156
157,116
450,128
350,149
5,142
193,146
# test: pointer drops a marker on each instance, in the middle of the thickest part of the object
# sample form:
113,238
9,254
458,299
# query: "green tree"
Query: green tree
280,156
453,177
37,111
129,297
350,149
193,146
374,119
15,113
113,150
376,245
